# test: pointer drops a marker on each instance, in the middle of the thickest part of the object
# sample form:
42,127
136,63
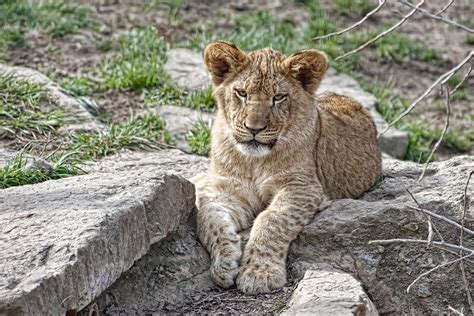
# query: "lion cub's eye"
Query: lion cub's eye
241,93
278,98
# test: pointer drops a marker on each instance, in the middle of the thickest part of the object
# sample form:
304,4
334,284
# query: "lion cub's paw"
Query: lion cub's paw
254,279
224,269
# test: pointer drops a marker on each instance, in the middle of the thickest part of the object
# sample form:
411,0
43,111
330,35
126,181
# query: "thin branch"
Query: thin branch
441,80
445,7
462,81
437,17
455,311
420,241
430,224
461,238
436,268
447,220
379,36
446,126
355,25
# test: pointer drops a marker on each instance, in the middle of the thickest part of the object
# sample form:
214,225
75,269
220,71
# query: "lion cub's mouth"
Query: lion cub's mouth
254,144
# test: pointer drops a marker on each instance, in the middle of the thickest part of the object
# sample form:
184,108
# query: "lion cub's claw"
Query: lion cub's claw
224,270
252,280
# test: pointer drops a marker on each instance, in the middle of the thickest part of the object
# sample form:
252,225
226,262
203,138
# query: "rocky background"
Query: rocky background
105,110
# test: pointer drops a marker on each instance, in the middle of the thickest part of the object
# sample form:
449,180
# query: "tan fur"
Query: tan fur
324,148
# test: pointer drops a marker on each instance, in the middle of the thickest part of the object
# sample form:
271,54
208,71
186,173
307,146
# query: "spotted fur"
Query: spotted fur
278,152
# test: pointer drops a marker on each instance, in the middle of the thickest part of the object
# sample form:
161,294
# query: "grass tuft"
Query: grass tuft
25,109
199,138
17,171
139,64
144,132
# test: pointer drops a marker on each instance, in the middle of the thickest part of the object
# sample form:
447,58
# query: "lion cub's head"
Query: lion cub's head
265,96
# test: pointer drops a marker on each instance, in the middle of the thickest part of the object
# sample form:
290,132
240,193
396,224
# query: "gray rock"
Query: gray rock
394,142
179,120
6,155
63,242
84,120
171,160
339,236
174,275
323,292
186,69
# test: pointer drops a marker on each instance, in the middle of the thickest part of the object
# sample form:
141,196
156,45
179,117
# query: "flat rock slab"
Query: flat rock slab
322,292
186,69
179,120
174,276
84,120
63,242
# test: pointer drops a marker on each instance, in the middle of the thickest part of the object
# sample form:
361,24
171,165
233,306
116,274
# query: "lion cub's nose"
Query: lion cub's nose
254,129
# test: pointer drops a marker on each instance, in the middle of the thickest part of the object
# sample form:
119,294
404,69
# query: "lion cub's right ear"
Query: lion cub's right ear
223,59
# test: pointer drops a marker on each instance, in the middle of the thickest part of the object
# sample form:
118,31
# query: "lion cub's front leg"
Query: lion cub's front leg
263,266
221,215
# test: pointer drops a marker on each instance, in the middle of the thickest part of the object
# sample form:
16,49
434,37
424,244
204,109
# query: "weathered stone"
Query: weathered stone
174,275
63,242
171,160
84,120
339,236
179,121
186,69
6,155
323,292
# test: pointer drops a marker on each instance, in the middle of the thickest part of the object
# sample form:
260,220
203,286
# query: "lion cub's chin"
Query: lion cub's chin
254,149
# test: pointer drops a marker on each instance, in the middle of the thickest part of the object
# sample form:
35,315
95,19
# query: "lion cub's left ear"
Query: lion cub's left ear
308,67
223,59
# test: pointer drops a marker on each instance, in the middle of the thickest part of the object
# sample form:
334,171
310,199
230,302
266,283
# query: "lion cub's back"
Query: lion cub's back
347,154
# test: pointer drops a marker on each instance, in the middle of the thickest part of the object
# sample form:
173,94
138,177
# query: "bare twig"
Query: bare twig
445,7
441,80
437,17
420,241
445,129
430,224
455,311
384,33
355,25
447,220
462,81
436,268
461,238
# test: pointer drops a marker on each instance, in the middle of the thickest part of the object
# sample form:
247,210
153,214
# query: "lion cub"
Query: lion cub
277,152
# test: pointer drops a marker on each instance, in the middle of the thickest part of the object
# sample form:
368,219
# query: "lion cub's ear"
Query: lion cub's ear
308,67
222,59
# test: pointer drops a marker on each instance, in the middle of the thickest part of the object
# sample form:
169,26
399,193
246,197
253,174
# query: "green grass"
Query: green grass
170,95
17,172
25,109
143,132
421,136
139,64
353,7
199,138
462,93
54,17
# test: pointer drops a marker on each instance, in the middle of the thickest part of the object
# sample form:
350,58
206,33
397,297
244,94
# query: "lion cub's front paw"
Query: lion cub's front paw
224,270
254,279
